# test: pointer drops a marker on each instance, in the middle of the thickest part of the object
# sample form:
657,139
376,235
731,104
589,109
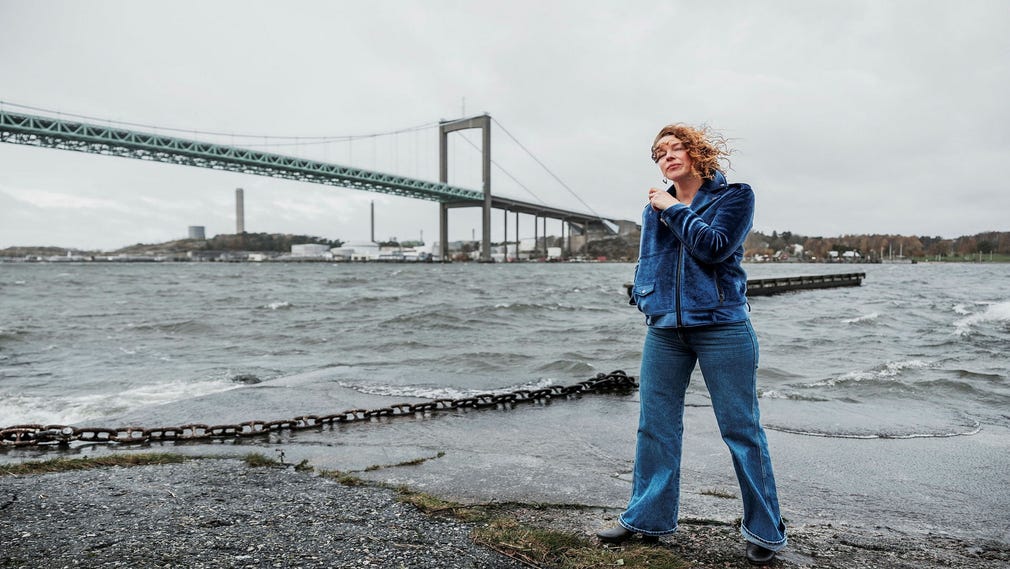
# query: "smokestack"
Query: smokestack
373,221
239,212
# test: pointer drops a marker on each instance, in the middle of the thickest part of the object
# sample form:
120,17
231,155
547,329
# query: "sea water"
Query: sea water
916,351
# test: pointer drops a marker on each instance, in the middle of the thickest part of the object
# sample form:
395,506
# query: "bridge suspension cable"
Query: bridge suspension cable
544,166
299,140
504,171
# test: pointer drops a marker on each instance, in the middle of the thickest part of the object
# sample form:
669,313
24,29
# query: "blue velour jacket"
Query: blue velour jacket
689,269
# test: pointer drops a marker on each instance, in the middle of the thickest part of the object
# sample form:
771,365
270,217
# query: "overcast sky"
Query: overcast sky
846,116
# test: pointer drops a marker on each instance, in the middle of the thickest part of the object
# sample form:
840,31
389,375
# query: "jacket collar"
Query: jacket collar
709,188
717,183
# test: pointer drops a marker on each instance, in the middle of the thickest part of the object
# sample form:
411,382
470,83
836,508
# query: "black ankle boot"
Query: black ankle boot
620,534
758,555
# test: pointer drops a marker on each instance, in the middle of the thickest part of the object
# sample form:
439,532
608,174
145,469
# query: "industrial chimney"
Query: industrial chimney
239,212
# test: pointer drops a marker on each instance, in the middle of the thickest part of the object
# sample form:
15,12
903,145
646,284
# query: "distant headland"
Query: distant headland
785,246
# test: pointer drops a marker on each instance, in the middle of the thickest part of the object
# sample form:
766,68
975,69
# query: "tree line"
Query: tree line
875,246
265,242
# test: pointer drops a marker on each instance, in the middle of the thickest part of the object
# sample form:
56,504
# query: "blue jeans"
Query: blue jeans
728,355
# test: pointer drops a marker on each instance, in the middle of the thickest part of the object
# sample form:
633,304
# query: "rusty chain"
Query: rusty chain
62,435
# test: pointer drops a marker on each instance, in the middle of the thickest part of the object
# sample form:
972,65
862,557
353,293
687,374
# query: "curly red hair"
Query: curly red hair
706,148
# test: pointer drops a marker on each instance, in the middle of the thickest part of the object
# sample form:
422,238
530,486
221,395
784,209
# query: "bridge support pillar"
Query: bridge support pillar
482,122
443,232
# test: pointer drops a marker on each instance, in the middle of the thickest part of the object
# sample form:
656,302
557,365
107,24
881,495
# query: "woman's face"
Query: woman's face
672,158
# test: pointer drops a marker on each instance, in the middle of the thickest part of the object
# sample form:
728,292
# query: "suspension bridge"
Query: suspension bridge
65,134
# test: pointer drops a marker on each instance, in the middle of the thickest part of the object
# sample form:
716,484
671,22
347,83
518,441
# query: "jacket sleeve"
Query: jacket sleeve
714,242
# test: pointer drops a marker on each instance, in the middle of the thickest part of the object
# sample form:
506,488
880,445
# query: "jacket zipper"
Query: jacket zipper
680,265
718,289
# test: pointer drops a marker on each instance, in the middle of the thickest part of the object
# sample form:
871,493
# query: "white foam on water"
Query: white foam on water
888,371
961,309
974,429
438,392
995,313
861,319
19,409
278,305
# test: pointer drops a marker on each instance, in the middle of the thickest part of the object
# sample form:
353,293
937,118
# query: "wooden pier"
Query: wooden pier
776,285
767,287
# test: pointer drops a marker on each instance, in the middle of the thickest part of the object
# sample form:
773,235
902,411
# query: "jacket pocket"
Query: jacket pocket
640,291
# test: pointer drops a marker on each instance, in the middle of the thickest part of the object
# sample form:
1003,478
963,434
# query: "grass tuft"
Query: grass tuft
436,506
411,462
257,460
344,478
539,547
718,493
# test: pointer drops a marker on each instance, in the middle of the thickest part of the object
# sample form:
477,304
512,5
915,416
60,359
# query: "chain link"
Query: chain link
62,435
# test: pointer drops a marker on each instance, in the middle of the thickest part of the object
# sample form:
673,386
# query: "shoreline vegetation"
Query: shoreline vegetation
498,534
786,246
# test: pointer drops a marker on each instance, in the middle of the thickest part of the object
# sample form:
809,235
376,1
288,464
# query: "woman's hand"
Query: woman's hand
661,199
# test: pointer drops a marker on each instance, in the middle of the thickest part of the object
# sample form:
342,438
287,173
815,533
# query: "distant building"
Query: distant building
197,232
310,250
357,251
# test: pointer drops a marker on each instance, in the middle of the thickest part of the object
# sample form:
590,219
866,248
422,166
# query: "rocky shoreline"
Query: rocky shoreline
204,513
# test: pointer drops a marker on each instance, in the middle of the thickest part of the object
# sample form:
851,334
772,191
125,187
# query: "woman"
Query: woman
691,286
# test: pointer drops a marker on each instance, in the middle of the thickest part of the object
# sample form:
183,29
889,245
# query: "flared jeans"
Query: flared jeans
728,356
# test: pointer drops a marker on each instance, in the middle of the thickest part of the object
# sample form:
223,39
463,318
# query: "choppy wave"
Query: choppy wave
864,319
504,362
349,280
12,334
887,371
437,391
539,308
574,366
775,394
777,374
431,319
21,409
997,313
961,309
188,326
974,429
457,330
987,377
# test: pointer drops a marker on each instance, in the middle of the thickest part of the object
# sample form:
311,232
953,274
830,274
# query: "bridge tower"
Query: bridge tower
483,122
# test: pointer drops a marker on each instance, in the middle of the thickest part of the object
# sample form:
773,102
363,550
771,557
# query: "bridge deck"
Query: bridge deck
47,132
